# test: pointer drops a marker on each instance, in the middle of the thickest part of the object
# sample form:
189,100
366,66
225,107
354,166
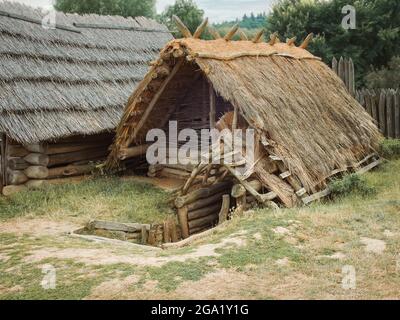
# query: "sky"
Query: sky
215,10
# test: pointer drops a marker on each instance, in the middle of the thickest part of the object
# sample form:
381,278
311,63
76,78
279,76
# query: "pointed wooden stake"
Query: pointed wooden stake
258,37
214,33
243,35
181,26
274,38
231,32
291,41
200,29
307,41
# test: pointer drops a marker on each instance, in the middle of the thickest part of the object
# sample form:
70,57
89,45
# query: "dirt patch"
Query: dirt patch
374,245
281,230
107,256
4,257
37,227
162,183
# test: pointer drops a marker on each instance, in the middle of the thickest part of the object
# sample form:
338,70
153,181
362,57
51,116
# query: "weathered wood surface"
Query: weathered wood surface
205,211
224,211
131,152
201,203
10,190
67,158
36,184
16,163
183,221
204,221
117,226
16,177
37,159
37,172
69,171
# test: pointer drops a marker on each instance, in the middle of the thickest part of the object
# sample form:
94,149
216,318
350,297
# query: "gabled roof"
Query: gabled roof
74,79
292,98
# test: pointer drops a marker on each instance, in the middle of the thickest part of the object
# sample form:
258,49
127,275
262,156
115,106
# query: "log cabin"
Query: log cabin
308,128
63,88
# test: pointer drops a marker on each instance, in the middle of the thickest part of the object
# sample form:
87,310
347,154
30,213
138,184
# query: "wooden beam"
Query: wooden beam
243,35
200,29
132,152
316,196
258,36
150,107
291,41
273,38
212,105
214,33
307,41
231,32
182,27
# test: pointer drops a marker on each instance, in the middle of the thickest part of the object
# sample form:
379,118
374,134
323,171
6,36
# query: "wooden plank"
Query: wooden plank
365,159
153,102
316,196
15,163
374,108
301,192
397,114
389,114
369,167
117,226
275,158
284,175
382,112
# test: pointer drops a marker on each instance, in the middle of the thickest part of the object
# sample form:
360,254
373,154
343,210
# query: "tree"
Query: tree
125,8
374,42
387,77
187,11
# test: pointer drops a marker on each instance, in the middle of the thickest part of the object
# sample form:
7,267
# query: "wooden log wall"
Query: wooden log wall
199,210
384,106
32,166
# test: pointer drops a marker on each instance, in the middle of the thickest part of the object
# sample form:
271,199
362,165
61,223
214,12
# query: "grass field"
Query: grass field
300,253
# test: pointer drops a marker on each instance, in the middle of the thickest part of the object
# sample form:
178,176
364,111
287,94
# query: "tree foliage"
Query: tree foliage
386,77
125,8
187,11
374,42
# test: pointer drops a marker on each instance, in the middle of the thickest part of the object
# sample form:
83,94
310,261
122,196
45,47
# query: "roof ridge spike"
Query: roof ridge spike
258,37
307,41
200,29
243,35
291,41
273,38
231,32
182,27
214,32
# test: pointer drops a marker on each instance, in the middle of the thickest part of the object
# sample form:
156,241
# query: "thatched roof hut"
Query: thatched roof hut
73,79
309,127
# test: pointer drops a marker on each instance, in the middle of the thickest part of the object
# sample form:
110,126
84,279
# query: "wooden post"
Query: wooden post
389,113
212,105
223,214
335,65
3,158
397,114
346,73
352,85
341,69
382,112
235,118
374,106
183,221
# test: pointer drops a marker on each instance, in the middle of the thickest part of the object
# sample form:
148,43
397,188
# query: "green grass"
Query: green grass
108,198
390,148
316,231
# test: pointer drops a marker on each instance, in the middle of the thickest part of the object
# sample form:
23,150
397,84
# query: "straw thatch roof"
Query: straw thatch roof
75,79
297,102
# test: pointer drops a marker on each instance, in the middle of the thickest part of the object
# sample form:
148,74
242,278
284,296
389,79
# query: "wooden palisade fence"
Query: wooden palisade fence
381,104
384,106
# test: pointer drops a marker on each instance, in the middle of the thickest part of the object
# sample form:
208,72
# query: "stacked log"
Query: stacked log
200,209
31,166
